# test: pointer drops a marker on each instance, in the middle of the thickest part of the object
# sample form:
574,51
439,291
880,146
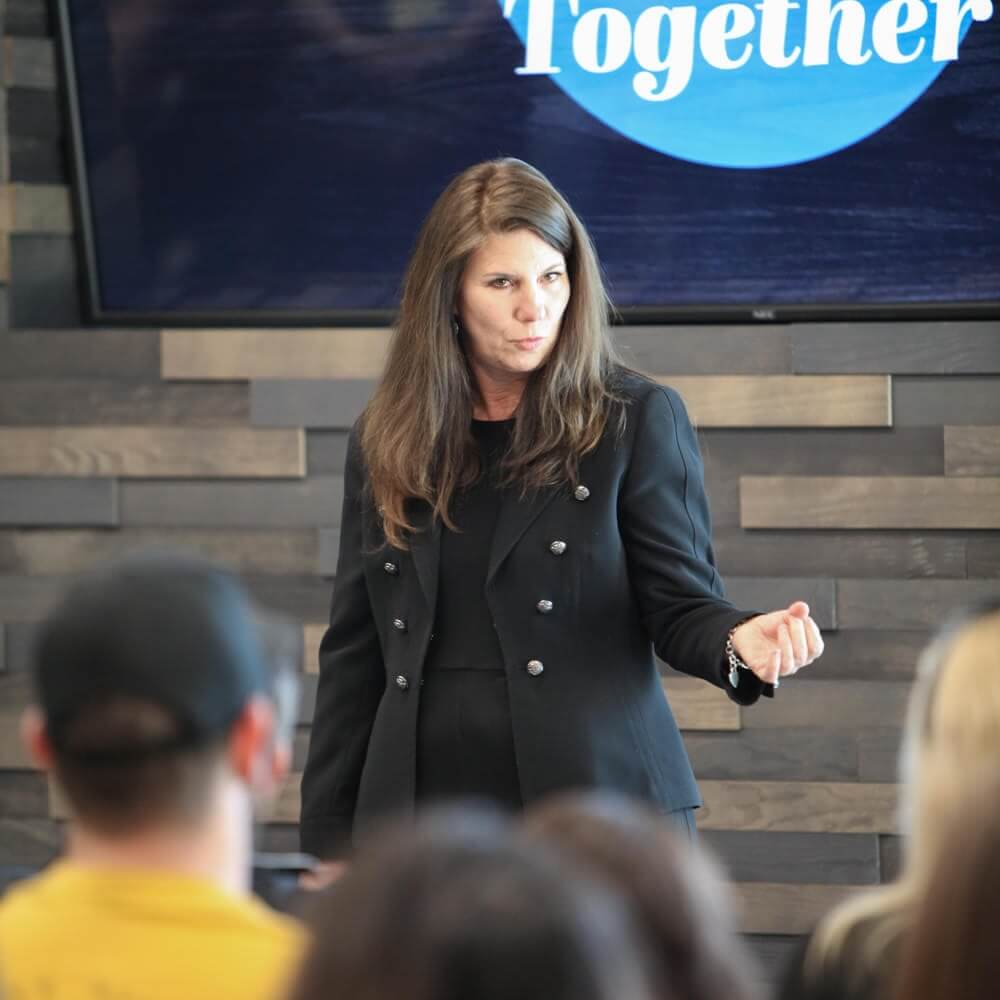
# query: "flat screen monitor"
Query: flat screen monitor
270,161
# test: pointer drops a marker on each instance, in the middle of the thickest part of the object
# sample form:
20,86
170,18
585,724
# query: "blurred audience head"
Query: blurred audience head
951,952
457,908
951,740
158,693
675,891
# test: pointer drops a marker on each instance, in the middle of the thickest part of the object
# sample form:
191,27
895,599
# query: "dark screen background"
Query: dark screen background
267,157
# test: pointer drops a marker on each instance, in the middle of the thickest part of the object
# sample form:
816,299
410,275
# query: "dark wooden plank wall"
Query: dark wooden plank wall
857,465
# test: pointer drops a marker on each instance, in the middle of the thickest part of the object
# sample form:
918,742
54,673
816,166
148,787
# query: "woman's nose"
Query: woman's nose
531,304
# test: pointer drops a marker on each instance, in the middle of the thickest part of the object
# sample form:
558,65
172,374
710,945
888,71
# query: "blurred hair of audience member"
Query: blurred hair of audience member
950,741
162,719
676,891
455,907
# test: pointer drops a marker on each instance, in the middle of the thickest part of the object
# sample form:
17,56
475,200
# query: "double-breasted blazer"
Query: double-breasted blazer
624,560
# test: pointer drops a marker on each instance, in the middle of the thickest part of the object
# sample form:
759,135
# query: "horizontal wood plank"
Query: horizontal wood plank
312,636
840,553
699,706
308,402
984,557
28,598
32,502
823,858
774,754
905,604
928,400
37,208
771,593
329,549
798,806
15,694
75,402
289,354
785,400
879,754
316,501
830,705
877,502
867,655
18,646
80,353
29,62
326,452
775,908
151,452
24,794
972,451
928,347
705,350
29,841
54,552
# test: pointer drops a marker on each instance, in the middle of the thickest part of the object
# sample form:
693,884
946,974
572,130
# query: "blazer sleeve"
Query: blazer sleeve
351,683
666,527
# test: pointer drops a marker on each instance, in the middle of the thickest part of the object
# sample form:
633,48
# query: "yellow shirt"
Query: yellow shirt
75,933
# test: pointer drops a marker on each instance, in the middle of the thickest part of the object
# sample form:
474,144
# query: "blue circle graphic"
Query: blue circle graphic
761,113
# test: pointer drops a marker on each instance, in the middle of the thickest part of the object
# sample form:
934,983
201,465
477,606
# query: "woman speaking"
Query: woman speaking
524,524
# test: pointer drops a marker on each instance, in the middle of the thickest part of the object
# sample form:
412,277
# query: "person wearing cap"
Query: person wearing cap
157,717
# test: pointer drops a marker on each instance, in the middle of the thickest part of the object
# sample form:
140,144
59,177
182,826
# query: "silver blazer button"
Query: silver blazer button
535,667
557,548
391,568
581,493
399,624
402,682
544,607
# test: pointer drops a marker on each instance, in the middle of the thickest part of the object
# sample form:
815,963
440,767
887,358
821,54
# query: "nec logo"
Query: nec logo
739,84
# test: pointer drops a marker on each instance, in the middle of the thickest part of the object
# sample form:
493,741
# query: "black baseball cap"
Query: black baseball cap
165,628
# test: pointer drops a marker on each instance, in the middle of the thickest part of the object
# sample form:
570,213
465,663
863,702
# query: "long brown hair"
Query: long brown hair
415,434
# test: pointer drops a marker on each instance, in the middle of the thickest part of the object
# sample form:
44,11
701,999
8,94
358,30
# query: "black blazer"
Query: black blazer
636,573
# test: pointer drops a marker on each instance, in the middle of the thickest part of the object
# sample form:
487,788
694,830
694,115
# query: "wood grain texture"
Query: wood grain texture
785,400
972,451
33,502
984,557
329,549
774,754
15,693
288,354
890,850
839,553
54,552
699,706
302,598
28,598
44,290
152,452
826,858
830,705
33,841
326,452
37,208
29,62
80,353
877,502
701,350
312,636
313,502
905,604
878,754
933,400
798,806
770,593
774,908
117,402
897,348
867,655
333,403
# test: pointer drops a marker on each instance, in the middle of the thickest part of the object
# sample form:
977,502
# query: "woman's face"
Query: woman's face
511,301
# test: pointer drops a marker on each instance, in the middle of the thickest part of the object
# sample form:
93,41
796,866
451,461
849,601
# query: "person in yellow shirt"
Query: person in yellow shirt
160,720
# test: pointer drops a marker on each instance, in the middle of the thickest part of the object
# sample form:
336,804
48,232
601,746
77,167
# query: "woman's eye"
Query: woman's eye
553,276
500,283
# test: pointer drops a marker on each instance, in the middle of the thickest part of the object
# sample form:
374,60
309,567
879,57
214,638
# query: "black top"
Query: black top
464,633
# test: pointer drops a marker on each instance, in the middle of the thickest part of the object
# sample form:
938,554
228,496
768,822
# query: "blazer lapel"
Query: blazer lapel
513,521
